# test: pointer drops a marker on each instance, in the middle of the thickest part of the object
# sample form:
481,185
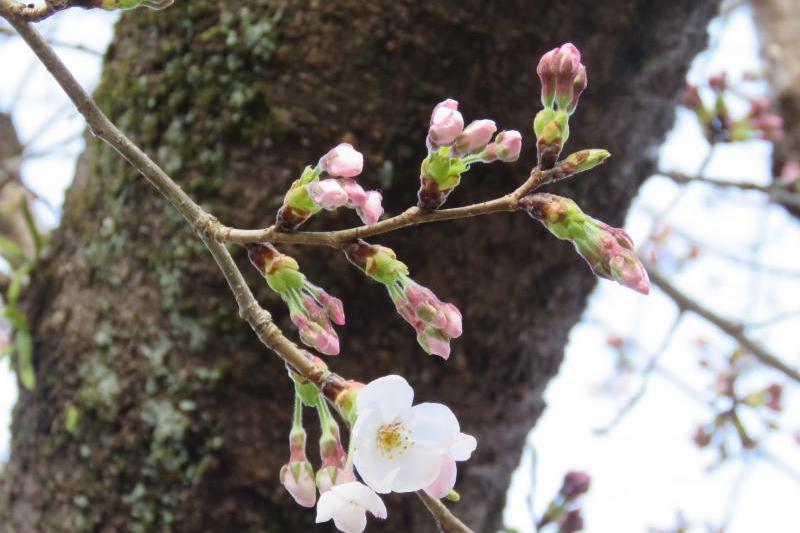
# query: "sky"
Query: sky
647,468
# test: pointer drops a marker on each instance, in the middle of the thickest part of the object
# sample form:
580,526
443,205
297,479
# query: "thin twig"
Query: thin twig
445,520
60,44
646,373
733,329
410,217
203,223
775,193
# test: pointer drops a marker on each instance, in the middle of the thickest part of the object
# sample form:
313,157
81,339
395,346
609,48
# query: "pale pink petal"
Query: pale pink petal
446,480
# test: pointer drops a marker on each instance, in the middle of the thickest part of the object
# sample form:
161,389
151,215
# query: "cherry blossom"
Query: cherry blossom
404,448
347,504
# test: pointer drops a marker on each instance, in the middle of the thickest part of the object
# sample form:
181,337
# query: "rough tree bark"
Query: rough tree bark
157,410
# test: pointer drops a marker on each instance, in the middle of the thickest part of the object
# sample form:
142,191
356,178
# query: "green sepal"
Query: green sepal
307,392
285,279
386,269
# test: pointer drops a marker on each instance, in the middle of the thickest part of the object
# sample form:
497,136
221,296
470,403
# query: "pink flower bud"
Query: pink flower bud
298,478
446,123
453,329
563,77
768,126
333,307
701,437
774,395
575,483
331,476
790,173
323,339
343,161
691,98
476,136
573,522
434,342
718,82
371,210
508,145
629,272
328,194
356,195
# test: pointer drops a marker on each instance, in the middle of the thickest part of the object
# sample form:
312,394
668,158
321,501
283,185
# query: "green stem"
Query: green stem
297,421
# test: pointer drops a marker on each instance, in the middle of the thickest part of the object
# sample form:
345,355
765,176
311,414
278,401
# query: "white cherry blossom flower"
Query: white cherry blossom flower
347,504
400,448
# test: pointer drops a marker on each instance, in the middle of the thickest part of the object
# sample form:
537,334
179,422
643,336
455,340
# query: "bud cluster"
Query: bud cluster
563,79
435,321
310,194
311,308
716,121
298,476
565,509
452,149
608,251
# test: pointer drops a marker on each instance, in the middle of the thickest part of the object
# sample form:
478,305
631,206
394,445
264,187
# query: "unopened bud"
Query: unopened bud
446,124
343,161
575,484
298,479
453,496
552,131
608,251
507,145
328,194
346,400
475,137
563,77
583,161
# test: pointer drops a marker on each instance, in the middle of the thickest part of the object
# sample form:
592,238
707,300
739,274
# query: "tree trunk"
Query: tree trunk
157,409
778,26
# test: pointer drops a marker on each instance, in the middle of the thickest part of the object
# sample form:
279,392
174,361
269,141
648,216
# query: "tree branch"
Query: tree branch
775,193
445,520
734,329
203,223
410,217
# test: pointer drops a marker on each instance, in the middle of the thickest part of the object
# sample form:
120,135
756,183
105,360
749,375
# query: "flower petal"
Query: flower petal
328,503
390,395
463,447
433,425
418,468
350,519
443,484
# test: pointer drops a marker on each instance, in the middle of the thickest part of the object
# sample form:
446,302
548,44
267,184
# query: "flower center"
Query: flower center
393,439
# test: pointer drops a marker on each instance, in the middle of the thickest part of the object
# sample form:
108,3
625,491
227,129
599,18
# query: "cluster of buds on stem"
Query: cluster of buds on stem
564,511
132,4
608,251
452,149
563,79
716,120
310,194
435,322
335,468
311,308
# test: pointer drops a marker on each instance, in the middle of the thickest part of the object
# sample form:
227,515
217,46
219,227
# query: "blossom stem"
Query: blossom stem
297,420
